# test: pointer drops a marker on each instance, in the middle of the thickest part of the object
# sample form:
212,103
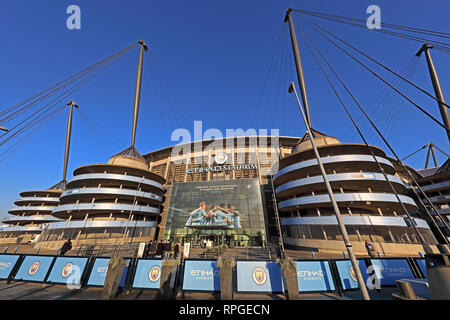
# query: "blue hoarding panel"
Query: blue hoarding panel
34,268
389,270
148,274
314,276
202,275
422,266
7,263
259,276
67,270
99,270
348,275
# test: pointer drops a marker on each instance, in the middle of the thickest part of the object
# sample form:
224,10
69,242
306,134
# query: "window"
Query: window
365,233
317,232
332,232
383,234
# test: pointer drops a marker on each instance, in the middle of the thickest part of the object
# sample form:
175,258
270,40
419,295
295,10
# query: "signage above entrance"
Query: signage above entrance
220,168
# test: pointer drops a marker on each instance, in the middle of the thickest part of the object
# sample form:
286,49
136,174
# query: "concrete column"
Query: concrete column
167,170
209,173
233,153
358,234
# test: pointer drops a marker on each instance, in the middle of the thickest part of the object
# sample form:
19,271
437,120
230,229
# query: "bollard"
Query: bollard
168,273
421,254
379,255
289,269
438,274
6,249
57,251
226,265
343,252
37,251
116,267
313,256
406,290
15,250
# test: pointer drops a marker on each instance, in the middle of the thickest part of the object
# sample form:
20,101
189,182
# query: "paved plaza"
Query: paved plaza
19,290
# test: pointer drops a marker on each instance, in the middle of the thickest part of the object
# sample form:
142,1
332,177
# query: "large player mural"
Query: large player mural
214,217
234,206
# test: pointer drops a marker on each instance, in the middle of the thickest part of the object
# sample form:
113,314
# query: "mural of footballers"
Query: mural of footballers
197,216
236,217
214,217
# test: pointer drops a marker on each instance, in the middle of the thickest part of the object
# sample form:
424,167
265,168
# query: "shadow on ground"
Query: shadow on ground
37,291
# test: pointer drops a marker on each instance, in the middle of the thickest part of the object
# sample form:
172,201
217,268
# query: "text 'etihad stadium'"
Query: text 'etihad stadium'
223,168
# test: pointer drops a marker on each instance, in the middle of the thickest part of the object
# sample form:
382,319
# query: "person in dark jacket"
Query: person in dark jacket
147,249
370,249
176,250
160,248
167,248
66,247
152,249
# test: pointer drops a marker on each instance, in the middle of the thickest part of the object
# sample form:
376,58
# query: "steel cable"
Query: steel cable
383,80
395,155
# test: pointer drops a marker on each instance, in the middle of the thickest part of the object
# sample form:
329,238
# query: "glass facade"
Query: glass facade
227,211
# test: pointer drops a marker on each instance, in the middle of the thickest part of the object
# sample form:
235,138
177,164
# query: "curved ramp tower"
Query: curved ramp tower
368,205
435,182
110,204
30,215
114,203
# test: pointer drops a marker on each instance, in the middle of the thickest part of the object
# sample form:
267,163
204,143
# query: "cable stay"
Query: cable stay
431,146
273,66
170,89
99,132
57,86
379,63
443,46
414,182
23,125
272,107
25,138
173,112
25,115
384,24
387,106
379,77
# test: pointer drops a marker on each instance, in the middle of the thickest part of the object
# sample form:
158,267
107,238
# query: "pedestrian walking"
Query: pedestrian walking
147,249
167,249
160,249
370,249
176,250
66,247
152,249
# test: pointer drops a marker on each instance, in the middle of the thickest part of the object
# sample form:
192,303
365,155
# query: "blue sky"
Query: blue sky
216,54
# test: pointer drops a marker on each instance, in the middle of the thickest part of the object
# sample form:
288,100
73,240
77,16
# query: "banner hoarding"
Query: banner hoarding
148,274
7,263
314,276
389,270
259,276
347,273
67,270
201,275
34,268
100,269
